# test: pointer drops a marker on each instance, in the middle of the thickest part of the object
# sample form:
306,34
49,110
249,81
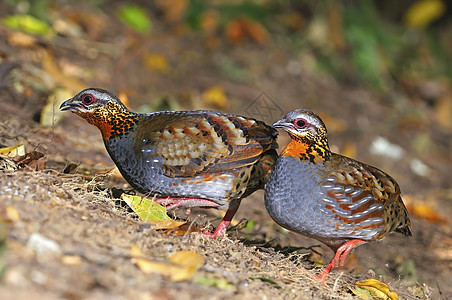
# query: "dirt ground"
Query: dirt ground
257,260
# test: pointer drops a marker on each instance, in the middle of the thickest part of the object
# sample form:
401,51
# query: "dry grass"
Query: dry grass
86,223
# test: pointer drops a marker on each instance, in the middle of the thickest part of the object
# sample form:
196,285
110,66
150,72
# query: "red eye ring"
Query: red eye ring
88,99
300,123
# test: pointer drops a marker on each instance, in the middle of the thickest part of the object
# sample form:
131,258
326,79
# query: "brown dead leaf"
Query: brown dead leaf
241,29
33,160
169,224
20,39
182,266
443,111
183,229
378,289
174,10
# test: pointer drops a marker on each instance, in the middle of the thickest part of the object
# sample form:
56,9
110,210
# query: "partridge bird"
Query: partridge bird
194,158
332,198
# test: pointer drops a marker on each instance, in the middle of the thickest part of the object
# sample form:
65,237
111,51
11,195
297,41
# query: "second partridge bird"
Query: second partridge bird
186,158
332,198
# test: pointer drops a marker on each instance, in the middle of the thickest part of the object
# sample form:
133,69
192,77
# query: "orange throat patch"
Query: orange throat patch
301,150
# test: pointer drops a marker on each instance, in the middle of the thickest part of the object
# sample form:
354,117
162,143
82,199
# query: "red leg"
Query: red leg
339,257
221,229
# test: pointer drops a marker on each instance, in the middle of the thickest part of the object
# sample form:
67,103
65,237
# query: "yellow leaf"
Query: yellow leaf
378,289
428,213
363,294
157,62
12,214
145,208
443,111
424,12
149,211
50,114
71,260
183,264
190,261
17,150
216,96
169,224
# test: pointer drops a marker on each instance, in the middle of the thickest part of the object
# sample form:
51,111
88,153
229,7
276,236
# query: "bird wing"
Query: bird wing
363,199
193,142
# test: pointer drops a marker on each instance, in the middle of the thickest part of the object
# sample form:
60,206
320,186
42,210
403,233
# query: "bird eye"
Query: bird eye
300,123
87,99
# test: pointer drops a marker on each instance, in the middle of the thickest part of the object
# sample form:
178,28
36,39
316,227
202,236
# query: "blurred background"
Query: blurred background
378,73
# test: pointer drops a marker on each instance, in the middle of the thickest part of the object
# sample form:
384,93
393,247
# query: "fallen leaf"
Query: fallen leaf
220,283
174,10
423,12
363,294
149,211
443,111
28,24
189,260
12,214
33,160
183,264
209,21
146,209
71,260
50,114
13,151
216,96
241,29
20,39
378,289
426,212
135,17
157,62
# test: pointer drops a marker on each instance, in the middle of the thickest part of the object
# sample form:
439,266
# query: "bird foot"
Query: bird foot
339,258
221,229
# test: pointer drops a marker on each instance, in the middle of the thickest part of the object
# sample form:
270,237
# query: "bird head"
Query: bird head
103,109
92,101
308,133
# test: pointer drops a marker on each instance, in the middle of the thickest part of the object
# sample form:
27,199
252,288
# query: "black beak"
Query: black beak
69,105
281,124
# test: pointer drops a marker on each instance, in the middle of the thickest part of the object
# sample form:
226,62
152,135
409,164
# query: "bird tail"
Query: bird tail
404,226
